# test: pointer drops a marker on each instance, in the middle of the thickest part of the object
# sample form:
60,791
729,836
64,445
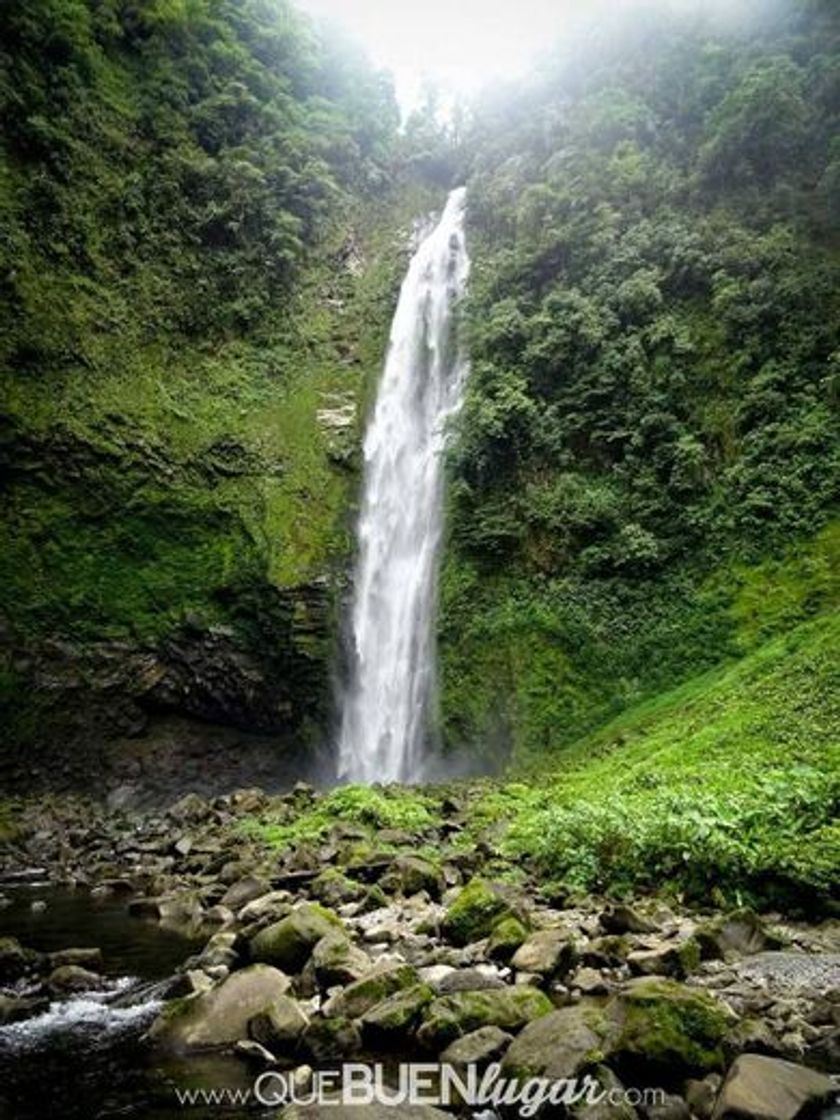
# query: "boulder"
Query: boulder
395,1017
245,890
69,978
274,906
280,1025
701,1095
558,1045
333,888
219,950
761,1088
17,961
589,982
476,910
450,1017
469,980
605,1109
336,960
667,1031
478,1048
330,1040
360,997
825,1053
621,918
14,1009
288,944
665,958
548,952
507,936
190,808
220,1016
739,934
412,874
87,958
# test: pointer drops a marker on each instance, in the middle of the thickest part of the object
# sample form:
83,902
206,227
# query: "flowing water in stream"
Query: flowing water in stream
389,701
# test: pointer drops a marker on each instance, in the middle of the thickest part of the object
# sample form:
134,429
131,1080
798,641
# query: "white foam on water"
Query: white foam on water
88,1013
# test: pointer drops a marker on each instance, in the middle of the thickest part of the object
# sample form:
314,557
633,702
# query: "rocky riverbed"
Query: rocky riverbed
365,941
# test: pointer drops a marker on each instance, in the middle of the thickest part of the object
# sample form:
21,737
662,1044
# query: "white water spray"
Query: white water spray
391,692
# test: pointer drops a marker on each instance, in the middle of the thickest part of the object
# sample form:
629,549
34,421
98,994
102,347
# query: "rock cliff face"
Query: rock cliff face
153,573
197,274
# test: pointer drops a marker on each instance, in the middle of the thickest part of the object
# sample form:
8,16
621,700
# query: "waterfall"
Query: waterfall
392,679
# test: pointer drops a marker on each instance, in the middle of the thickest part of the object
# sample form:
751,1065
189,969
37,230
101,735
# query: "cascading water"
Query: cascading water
390,695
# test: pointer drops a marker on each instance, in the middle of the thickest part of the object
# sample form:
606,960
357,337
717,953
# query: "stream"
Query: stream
82,1058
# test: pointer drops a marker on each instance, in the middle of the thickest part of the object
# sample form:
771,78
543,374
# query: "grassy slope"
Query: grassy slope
730,781
724,790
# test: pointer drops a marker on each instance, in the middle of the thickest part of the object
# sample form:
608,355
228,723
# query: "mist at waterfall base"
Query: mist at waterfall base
388,699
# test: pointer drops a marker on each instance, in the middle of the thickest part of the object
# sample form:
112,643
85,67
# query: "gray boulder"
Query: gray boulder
287,944
557,1045
760,1088
548,952
220,1016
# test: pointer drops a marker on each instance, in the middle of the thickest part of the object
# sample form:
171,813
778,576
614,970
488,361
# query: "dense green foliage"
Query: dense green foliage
168,164
655,335
197,260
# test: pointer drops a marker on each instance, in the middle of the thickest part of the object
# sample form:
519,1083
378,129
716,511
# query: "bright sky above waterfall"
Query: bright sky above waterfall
461,44
464,44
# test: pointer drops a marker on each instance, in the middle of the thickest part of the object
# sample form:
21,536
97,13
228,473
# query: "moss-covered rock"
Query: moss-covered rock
508,934
667,1030
666,958
332,887
450,1017
280,1025
477,909
360,997
336,960
739,933
16,960
560,1044
548,952
478,1048
289,942
390,1021
330,1040
412,874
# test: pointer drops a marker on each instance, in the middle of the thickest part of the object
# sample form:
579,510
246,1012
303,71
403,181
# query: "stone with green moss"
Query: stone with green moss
739,933
413,874
450,1017
667,1029
329,1040
548,953
364,994
336,960
507,936
560,1044
289,942
476,910
395,1017
16,960
280,1025
332,887
677,959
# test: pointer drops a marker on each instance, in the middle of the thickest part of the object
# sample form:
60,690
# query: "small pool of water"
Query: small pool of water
73,920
